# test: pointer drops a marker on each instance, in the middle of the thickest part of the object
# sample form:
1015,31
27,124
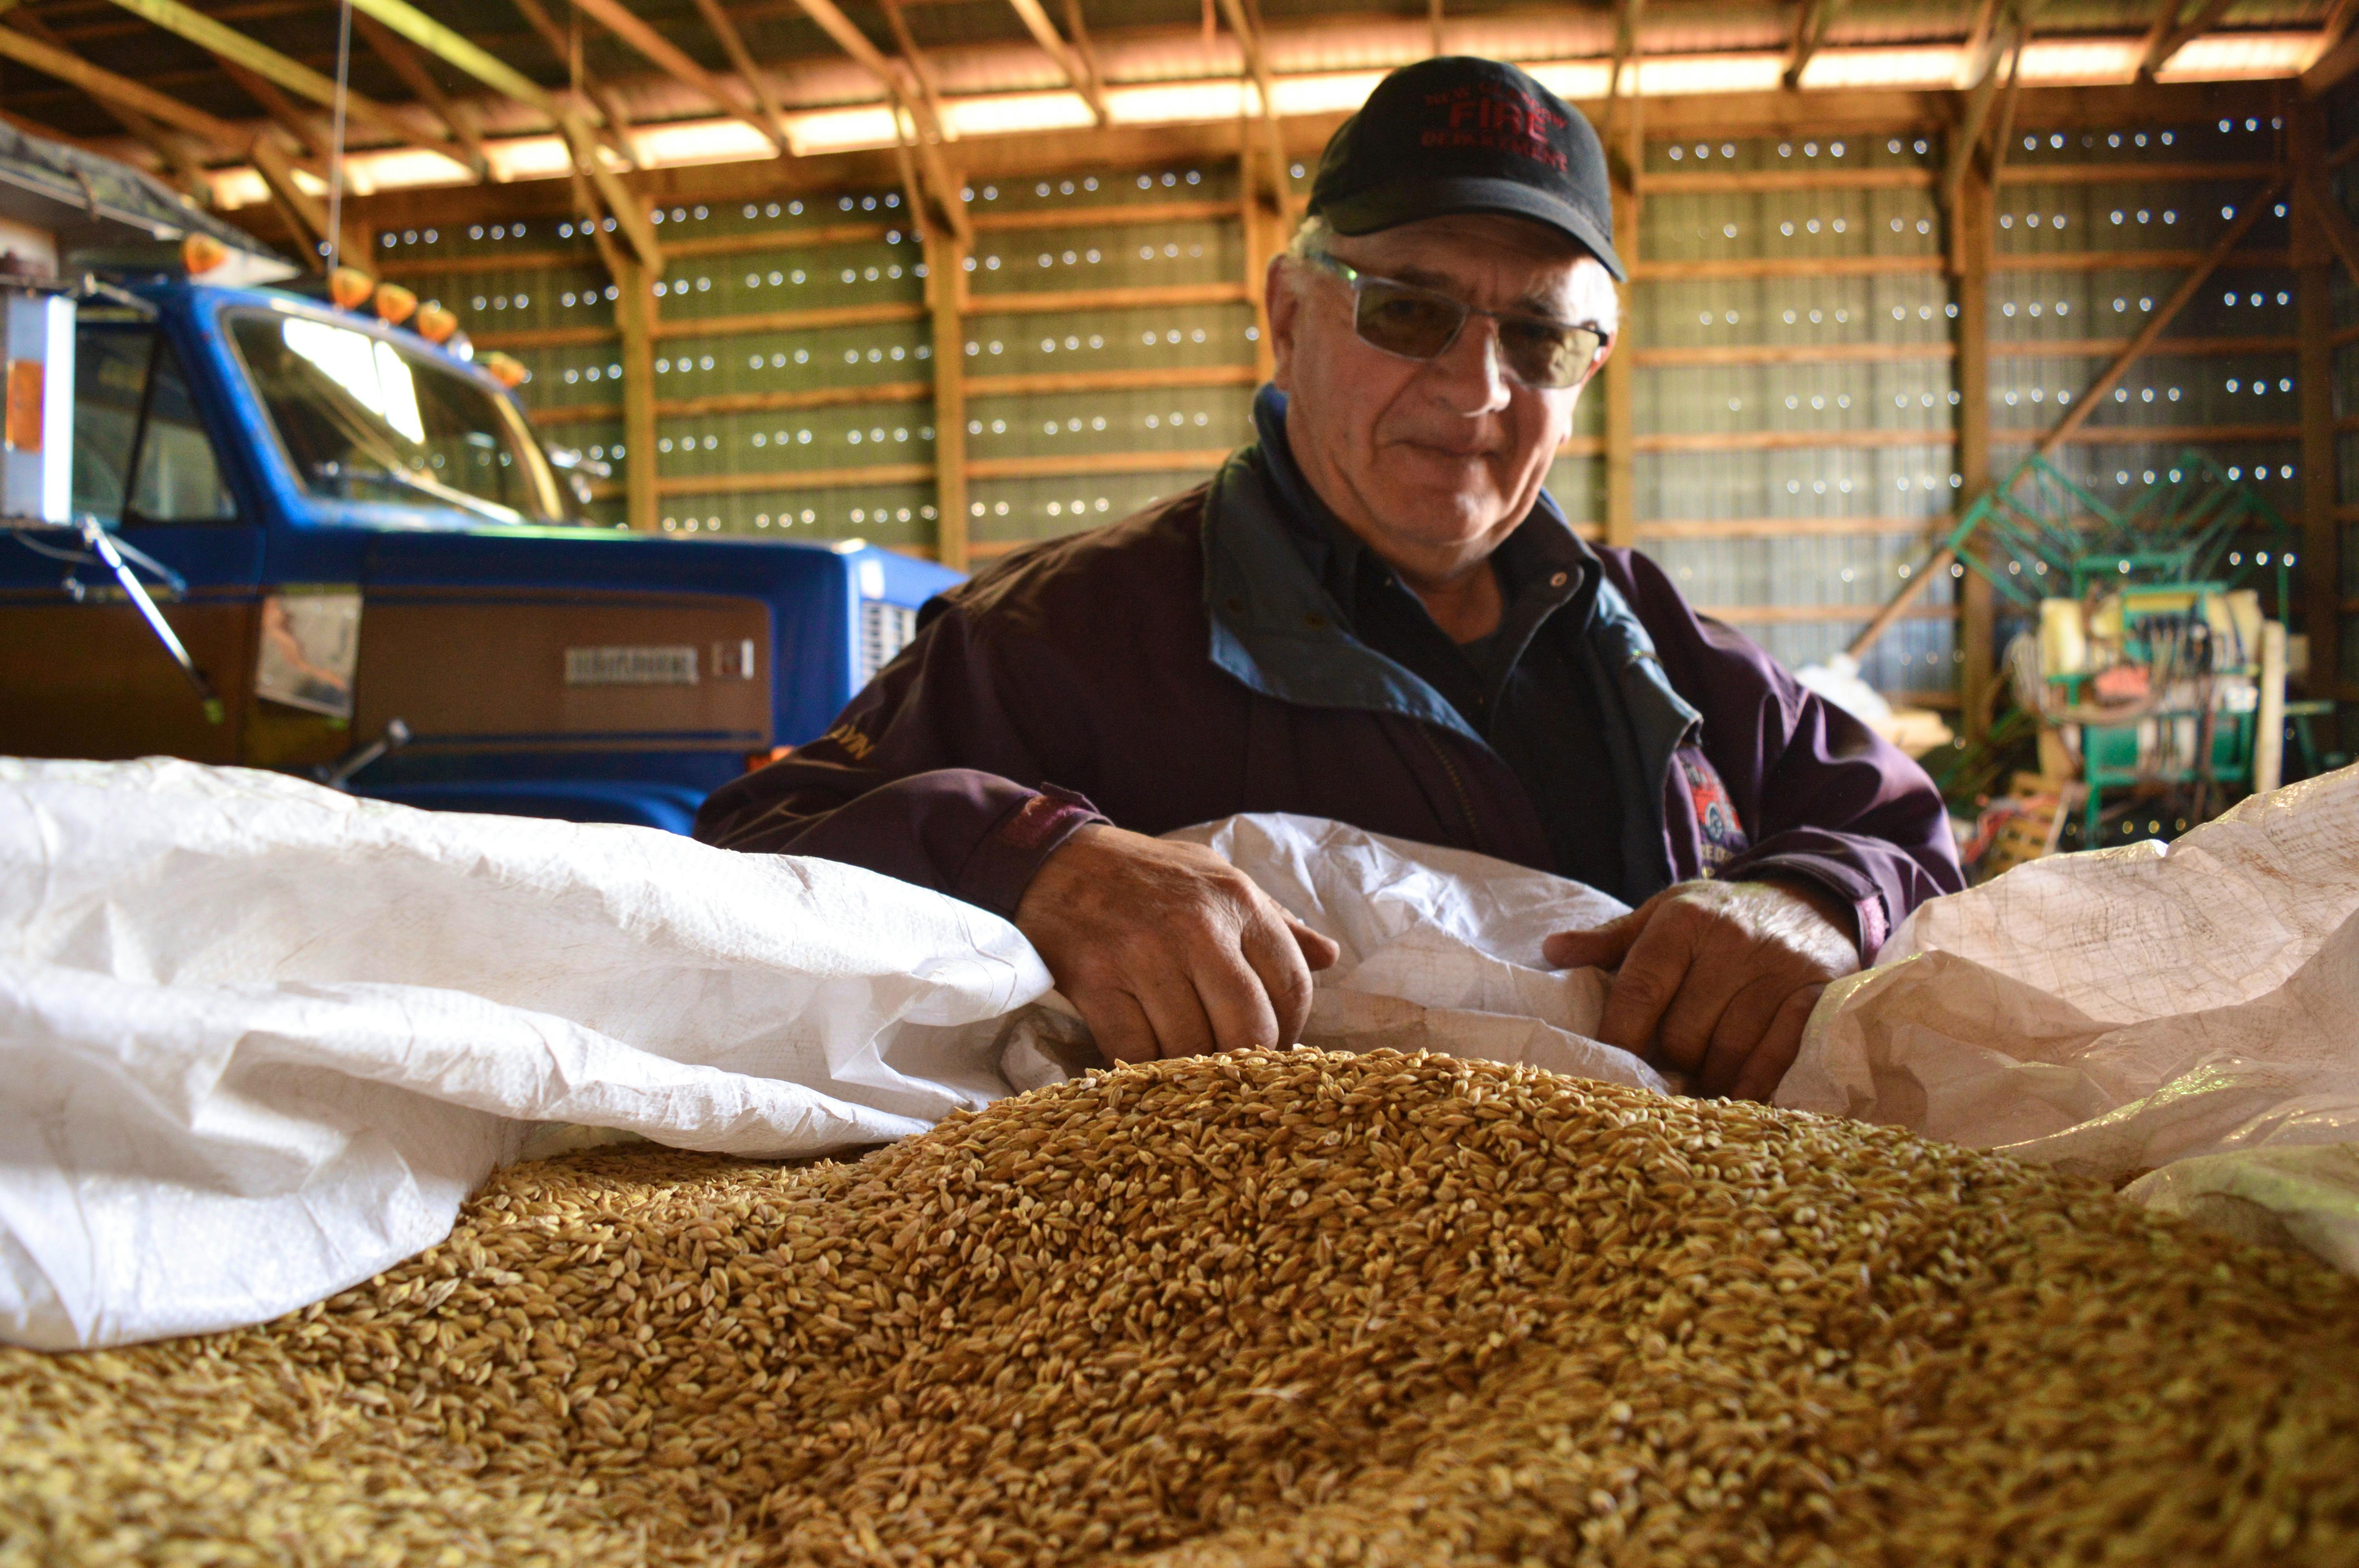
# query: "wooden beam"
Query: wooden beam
1258,69
733,44
666,57
2321,530
1077,75
2258,204
635,319
1967,137
2331,68
229,45
2169,34
303,212
188,170
460,52
1143,297
1975,221
856,43
930,88
311,139
72,70
1811,25
401,57
603,114
629,211
1619,390
945,263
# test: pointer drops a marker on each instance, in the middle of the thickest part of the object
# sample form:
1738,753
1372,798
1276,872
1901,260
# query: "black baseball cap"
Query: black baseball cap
1461,135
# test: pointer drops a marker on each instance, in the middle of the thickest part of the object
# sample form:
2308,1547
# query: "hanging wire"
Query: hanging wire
336,139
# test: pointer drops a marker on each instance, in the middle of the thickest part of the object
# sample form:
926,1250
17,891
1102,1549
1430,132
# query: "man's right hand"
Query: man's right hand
1167,950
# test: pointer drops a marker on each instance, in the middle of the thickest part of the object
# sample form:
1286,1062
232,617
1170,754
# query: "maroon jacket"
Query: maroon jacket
1185,664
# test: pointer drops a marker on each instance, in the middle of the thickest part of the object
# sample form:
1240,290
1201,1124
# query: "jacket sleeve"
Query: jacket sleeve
1823,798
930,775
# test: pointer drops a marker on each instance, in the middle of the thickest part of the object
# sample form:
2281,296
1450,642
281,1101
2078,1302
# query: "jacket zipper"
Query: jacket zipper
1458,787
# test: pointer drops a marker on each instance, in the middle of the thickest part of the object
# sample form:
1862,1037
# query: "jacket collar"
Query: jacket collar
1277,626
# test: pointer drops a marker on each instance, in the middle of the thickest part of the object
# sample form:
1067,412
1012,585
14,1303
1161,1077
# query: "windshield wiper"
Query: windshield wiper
402,479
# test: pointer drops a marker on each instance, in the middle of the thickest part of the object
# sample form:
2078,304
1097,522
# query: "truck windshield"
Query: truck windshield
365,418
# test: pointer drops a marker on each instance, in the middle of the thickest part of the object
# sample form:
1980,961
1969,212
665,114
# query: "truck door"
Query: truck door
80,674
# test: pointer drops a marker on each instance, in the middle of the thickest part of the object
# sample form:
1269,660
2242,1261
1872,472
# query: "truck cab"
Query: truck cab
371,558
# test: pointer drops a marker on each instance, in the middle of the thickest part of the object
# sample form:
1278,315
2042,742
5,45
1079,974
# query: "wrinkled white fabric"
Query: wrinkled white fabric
2189,1011
1440,951
259,1038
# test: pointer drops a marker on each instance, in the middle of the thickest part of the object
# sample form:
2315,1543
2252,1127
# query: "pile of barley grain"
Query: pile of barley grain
1271,1308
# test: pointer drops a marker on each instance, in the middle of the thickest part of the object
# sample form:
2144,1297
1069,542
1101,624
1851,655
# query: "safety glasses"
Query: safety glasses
1422,323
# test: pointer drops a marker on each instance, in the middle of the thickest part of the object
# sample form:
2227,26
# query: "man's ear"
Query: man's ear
1282,306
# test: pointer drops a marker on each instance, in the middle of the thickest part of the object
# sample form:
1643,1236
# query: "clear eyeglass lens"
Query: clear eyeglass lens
1419,325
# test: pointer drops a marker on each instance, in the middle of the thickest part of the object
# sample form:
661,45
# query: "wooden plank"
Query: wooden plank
1142,379
743,402
1077,76
1786,440
229,44
794,480
1975,224
681,250
401,57
1111,213
76,71
2133,173
1057,302
544,337
1083,463
946,256
2321,479
1619,388
456,49
788,321
2130,261
1737,267
636,320
733,44
1786,527
666,57
1707,354
1733,182
2147,436
1809,614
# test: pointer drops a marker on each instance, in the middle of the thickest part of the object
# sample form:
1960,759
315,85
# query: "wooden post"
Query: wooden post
1970,230
2321,540
945,268
1620,468
635,317
1264,237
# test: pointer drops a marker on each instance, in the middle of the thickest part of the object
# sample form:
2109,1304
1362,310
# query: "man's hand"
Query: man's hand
1167,950
1715,979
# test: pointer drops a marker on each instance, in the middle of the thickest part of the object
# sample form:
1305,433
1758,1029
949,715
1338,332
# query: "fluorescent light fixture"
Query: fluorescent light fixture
2240,57
1177,103
1935,66
841,130
1573,79
2067,62
1696,74
1333,92
1014,112
700,141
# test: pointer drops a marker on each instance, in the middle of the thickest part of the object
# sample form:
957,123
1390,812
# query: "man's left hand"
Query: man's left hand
1715,979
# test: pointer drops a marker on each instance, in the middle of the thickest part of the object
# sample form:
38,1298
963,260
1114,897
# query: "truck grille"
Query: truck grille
884,630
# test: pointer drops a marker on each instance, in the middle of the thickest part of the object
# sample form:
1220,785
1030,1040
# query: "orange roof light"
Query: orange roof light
394,303
349,287
435,324
202,253
506,370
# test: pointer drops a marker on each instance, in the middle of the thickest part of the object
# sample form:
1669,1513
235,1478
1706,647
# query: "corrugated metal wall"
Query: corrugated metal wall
1792,328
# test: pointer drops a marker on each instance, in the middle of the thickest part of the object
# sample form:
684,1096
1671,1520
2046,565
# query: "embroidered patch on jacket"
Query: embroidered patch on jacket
1719,836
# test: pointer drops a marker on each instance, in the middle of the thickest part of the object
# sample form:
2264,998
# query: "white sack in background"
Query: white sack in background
2189,1011
1440,952
259,1038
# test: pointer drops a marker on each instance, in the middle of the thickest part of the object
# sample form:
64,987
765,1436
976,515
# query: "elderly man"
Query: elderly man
1375,613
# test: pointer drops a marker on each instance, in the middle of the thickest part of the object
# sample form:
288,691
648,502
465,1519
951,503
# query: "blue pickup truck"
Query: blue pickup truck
380,575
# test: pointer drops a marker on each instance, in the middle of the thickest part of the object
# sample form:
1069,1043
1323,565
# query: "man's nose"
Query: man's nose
1469,373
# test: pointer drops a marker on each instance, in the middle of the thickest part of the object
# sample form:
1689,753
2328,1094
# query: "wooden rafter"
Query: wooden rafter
856,43
75,72
2171,32
929,90
1077,38
457,51
733,44
302,210
188,169
311,139
603,113
2337,61
668,58
1810,25
1624,108
1248,34
401,57
1077,74
229,45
